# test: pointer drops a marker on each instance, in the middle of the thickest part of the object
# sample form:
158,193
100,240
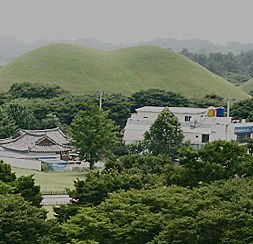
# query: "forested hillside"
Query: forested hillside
234,68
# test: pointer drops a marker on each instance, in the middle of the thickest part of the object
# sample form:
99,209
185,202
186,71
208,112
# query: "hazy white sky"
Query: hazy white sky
121,21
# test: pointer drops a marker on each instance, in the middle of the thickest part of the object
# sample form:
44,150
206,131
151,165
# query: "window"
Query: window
197,136
205,138
187,118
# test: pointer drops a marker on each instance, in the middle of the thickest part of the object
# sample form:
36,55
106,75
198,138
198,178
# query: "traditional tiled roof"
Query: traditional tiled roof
55,134
49,149
32,141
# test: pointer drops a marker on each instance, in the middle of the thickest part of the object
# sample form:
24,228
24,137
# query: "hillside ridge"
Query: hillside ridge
80,69
247,86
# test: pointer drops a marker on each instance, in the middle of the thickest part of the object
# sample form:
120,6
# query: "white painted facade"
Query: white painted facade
197,127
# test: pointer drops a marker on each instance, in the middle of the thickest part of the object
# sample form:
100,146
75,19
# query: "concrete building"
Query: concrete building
199,125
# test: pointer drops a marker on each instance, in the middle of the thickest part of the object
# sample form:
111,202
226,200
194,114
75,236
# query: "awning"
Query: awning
244,130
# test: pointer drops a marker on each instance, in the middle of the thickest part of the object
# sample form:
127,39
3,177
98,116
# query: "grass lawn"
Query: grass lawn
50,214
56,182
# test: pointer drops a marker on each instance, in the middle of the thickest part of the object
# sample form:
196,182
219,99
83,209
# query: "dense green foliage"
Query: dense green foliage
78,69
22,115
93,134
21,218
205,198
24,185
35,90
118,107
5,173
215,161
97,185
38,113
7,124
157,97
127,172
19,221
142,196
243,110
6,188
207,101
22,223
165,135
235,68
147,164
219,213
41,113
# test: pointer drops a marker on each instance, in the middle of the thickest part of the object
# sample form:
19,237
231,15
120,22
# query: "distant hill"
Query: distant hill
247,86
11,47
127,70
200,46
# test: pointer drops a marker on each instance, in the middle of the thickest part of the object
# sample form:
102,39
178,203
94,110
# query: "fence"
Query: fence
54,192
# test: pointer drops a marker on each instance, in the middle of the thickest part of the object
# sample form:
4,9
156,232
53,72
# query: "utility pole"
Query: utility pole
101,99
228,107
227,126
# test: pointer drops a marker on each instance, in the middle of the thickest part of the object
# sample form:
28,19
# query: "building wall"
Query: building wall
23,159
152,116
218,128
23,163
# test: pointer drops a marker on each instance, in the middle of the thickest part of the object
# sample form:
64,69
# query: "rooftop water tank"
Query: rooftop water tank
220,112
211,112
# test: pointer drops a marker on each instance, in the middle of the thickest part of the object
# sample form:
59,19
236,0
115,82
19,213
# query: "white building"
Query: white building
196,123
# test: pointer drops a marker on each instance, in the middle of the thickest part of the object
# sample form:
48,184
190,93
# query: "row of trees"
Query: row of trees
24,107
33,106
29,110
235,68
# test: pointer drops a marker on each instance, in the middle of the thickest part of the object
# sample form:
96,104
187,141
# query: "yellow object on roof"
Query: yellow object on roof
211,112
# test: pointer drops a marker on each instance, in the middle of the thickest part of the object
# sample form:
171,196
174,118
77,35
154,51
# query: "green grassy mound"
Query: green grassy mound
247,86
127,70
